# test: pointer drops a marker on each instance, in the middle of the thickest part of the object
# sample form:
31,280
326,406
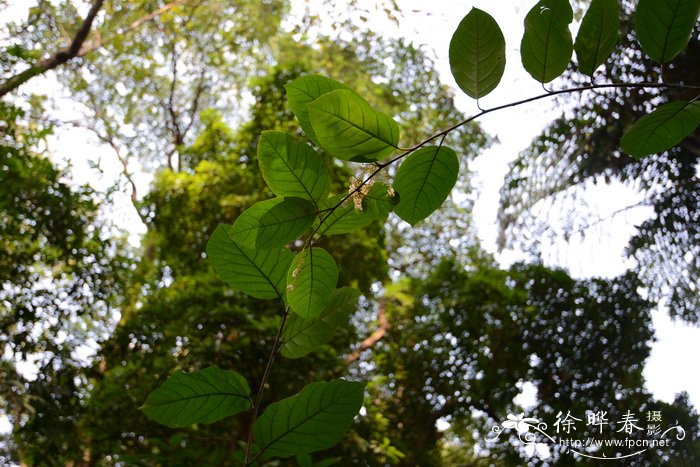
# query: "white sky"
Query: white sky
600,254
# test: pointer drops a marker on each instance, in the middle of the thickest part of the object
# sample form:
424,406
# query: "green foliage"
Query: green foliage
458,339
547,44
291,168
664,27
199,397
302,92
311,279
598,34
348,128
662,129
310,421
273,223
423,182
260,273
302,336
478,54
343,219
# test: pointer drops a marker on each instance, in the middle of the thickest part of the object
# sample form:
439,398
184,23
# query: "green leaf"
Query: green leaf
662,129
598,34
349,129
203,396
664,27
547,44
379,202
313,420
478,54
274,222
302,336
291,168
302,91
342,220
423,181
258,273
311,279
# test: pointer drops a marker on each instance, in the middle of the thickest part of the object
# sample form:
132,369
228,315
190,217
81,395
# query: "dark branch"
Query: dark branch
58,58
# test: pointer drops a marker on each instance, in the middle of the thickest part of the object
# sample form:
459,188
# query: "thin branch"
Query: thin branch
263,383
60,57
79,47
99,42
442,134
377,335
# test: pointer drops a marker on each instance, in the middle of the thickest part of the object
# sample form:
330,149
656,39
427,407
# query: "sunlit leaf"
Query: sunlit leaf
302,336
310,421
380,201
664,27
598,34
203,396
662,129
349,129
291,168
274,222
302,91
423,182
547,45
311,279
343,219
477,54
256,272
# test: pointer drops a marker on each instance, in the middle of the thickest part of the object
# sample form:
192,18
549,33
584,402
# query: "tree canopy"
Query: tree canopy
307,290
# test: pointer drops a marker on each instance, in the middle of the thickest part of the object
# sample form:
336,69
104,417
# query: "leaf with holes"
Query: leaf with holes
302,91
598,34
664,27
349,129
203,396
291,168
547,45
423,182
274,222
342,220
477,54
258,273
311,279
310,421
662,129
302,336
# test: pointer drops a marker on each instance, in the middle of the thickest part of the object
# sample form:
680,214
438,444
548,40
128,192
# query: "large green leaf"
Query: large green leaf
380,201
547,44
598,34
662,129
302,336
311,279
342,220
664,27
302,91
423,182
477,54
291,168
349,129
256,272
310,421
203,396
274,222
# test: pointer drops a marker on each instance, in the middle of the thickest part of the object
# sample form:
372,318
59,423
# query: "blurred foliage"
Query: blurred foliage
581,147
186,94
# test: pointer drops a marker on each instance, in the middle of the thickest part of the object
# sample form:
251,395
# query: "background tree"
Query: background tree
581,148
165,86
